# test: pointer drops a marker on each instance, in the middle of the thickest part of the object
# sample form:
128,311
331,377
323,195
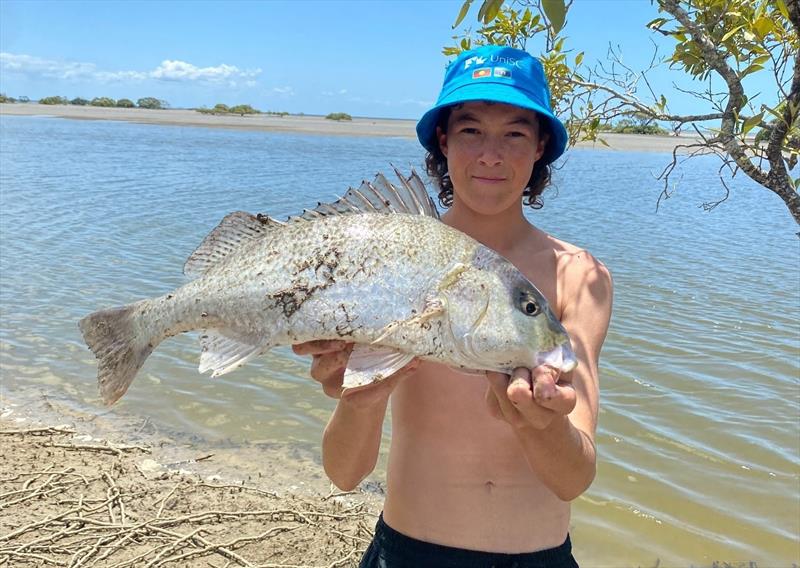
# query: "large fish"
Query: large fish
377,268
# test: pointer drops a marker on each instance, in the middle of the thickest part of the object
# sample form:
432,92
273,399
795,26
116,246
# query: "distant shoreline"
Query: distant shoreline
380,127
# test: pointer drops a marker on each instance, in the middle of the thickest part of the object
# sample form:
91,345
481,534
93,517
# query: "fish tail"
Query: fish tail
121,351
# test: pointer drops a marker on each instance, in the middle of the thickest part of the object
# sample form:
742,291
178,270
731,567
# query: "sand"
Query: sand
302,124
83,489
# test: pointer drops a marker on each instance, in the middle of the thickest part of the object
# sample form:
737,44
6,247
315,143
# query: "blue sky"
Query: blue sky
366,58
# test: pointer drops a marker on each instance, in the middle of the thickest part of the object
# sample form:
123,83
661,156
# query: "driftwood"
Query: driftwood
77,514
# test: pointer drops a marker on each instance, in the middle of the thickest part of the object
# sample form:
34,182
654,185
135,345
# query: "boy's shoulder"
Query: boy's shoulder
573,260
584,283
576,269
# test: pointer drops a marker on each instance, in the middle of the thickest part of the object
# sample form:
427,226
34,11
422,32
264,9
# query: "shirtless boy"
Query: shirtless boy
482,469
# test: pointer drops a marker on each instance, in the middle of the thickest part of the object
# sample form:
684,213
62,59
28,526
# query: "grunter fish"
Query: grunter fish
377,267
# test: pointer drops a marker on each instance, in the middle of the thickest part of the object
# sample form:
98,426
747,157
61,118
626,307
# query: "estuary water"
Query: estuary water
699,435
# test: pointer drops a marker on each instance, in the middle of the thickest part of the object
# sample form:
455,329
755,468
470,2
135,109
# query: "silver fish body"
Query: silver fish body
398,284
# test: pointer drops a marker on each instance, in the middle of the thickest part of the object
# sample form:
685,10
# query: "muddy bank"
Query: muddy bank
135,497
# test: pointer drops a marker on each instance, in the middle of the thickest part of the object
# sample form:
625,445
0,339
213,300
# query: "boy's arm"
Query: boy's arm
352,437
555,419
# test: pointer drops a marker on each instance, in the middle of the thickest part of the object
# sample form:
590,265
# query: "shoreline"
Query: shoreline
312,125
99,489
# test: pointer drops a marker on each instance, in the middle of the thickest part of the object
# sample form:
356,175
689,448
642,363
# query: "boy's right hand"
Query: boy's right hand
329,361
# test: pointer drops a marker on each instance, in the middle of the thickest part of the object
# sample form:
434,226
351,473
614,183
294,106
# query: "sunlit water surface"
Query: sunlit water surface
699,437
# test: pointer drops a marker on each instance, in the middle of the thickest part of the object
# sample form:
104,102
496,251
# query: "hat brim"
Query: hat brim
498,93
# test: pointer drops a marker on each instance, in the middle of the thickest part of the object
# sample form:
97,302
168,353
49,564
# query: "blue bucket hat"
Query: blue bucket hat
499,74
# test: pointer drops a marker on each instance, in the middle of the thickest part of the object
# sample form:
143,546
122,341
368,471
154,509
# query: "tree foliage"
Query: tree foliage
339,116
151,103
221,108
242,110
103,102
716,41
125,103
54,101
78,101
6,99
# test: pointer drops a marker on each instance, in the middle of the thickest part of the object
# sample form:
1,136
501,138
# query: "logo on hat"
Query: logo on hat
480,73
476,60
502,72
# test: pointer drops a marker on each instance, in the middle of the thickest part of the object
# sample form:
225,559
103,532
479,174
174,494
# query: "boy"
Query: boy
481,470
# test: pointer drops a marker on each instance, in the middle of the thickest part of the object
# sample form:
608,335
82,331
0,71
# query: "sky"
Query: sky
366,58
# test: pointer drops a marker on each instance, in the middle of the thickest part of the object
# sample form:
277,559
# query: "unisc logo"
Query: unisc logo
475,60
508,61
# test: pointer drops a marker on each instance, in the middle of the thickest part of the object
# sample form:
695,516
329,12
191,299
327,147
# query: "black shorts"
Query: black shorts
391,549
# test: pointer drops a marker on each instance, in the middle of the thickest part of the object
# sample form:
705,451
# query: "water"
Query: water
699,436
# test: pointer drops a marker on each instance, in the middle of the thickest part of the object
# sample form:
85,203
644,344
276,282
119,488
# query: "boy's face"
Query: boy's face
490,149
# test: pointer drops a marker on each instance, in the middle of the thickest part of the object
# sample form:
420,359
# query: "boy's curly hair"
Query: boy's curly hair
436,167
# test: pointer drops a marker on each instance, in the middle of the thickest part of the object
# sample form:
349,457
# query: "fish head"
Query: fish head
509,322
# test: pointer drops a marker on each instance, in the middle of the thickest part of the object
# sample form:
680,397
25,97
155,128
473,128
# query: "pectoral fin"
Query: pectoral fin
369,364
222,353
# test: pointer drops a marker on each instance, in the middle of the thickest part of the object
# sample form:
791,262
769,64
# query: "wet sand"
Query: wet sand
302,124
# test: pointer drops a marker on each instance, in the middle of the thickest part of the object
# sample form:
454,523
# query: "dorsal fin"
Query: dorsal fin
234,230
378,196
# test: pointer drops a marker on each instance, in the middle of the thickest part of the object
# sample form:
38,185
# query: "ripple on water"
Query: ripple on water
699,426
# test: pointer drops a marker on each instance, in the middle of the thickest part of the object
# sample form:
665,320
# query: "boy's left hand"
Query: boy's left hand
532,398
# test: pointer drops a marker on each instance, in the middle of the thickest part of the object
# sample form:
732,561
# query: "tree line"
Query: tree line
144,102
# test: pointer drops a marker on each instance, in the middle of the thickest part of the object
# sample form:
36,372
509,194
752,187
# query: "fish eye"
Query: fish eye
528,305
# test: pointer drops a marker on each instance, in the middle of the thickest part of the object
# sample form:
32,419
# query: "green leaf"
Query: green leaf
730,33
463,13
656,23
763,26
482,10
751,122
760,9
751,69
579,59
773,112
492,9
760,60
556,12
782,8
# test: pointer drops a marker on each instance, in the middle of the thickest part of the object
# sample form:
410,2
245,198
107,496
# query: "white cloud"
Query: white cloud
173,70
31,65
287,91
169,70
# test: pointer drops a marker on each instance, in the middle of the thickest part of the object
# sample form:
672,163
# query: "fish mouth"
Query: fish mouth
561,357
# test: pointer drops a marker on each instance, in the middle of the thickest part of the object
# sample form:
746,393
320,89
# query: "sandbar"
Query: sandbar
303,124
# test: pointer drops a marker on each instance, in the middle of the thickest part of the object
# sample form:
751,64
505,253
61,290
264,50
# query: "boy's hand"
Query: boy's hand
329,363
329,360
529,397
